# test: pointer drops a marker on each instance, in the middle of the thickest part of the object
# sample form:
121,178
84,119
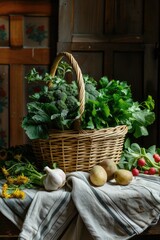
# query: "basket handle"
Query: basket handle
74,64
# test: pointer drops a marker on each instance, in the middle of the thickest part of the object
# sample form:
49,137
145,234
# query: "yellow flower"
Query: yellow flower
22,179
5,195
5,172
4,191
15,194
10,180
4,187
18,194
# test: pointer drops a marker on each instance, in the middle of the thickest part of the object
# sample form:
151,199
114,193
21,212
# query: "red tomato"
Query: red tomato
135,172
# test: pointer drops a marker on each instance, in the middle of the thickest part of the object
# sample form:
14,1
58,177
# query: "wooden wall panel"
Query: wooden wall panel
151,21
25,56
26,7
16,31
17,104
88,61
132,62
128,17
124,33
91,14
66,14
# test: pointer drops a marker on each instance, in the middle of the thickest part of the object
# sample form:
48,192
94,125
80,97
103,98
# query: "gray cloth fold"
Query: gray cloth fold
80,211
15,209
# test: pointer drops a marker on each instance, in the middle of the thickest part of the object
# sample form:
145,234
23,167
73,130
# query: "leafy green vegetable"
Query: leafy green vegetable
96,115
133,152
110,104
55,106
128,112
91,91
115,106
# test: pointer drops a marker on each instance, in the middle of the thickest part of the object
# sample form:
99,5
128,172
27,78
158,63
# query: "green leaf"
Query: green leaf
152,149
104,81
127,143
150,156
149,103
37,131
140,131
39,117
64,113
136,148
105,110
33,76
90,124
54,116
149,118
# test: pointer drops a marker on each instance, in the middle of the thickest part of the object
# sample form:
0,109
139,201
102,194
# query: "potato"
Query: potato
98,176
110,168
123,176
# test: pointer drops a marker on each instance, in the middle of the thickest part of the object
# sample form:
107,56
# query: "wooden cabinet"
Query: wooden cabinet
116,38
28,37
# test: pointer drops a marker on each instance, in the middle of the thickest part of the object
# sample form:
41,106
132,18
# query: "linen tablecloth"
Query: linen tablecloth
81,211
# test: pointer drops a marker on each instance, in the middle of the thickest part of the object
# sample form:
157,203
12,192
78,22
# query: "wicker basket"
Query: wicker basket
79,150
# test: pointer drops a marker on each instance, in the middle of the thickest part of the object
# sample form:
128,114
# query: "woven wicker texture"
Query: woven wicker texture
79,150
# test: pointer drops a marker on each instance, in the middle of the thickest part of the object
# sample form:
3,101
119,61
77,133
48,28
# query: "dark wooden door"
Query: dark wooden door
116,38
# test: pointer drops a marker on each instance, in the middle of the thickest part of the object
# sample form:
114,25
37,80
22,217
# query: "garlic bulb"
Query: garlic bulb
54,179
